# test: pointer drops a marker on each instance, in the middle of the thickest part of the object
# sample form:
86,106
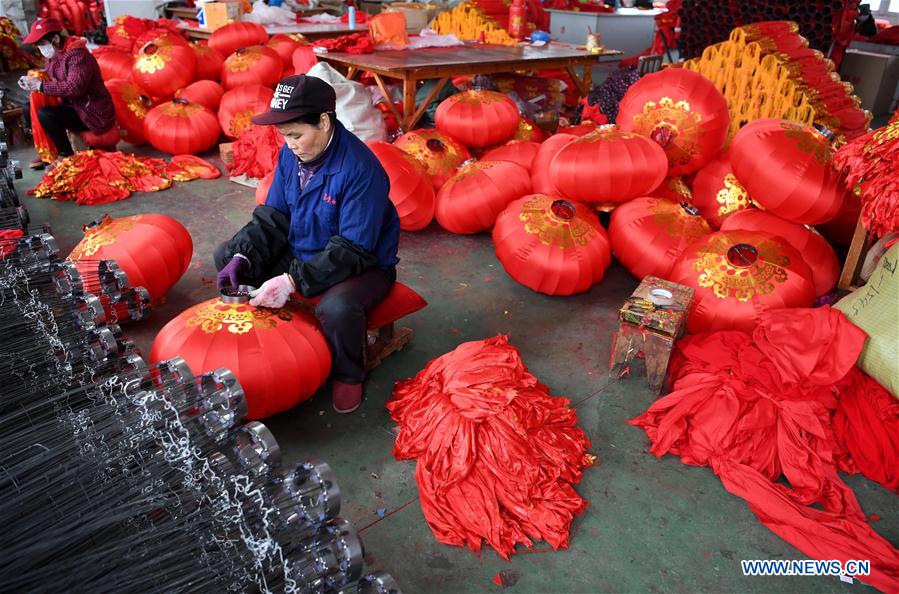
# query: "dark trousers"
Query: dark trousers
342,312
55,120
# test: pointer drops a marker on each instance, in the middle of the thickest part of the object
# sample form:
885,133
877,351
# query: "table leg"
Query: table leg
383,87
421,108
581,86
351,73
858,249
409,87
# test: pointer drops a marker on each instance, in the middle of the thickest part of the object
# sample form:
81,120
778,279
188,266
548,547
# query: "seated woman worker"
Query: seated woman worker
327,228
74,75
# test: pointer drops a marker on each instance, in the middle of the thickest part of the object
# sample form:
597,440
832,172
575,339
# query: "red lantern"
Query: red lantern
527,130
739,274
815,250
410,188
303,59
114,62
162,66
649,234
153,250
132,104
550,245
674,188
515,151
239,105
470,201
205,92
548,150
284,46
209,61
234,36
608,166
254,65
280,357
478,118
788,169
682,111
160,35
264,186
717,192
441,154
181,127
841,228
578,130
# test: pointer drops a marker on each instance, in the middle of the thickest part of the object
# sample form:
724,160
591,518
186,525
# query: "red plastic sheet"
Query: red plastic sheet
760,408
497,455
256,152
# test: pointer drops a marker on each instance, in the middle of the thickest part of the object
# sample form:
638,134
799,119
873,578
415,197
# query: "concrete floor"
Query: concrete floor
652,526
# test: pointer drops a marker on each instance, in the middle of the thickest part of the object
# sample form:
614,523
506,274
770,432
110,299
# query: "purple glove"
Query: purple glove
229,276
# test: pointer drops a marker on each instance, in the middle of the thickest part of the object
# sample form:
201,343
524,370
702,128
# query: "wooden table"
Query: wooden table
442,63
310,31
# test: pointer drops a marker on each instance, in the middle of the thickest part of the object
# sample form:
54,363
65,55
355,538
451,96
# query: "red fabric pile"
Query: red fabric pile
497,455
130,33
255,152
357,43
758,408
190,167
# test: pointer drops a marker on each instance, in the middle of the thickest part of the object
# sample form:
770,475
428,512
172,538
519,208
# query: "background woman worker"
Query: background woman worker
74,75
327,228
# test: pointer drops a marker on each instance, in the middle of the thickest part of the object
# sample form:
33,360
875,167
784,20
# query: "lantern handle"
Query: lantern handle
240,294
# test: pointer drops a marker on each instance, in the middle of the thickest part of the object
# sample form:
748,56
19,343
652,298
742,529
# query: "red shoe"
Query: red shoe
345,397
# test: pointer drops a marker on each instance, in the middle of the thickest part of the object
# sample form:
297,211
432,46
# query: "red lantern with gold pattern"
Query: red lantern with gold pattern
529,131
649,234
239,105
132,104
815,250
181,127
113,62
163,66
739,274
788,169
285,46
279,356
441,154
674,188
153,250
717,192
548,150
470,201
209,61
682,111
411,190
608,166
205,92
264,186
254,65
551,245
577,130
515,151
477,118
233,36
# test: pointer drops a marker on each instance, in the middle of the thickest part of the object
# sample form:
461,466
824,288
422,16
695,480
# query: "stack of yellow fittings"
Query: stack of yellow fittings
468,23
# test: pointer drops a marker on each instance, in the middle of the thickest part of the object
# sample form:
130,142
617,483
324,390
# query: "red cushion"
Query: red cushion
400,302
105,139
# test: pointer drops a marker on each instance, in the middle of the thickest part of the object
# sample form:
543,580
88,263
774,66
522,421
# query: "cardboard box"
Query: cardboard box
215,15
874,76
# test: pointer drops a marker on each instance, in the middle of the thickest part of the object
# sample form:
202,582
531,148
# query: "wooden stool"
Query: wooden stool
651,321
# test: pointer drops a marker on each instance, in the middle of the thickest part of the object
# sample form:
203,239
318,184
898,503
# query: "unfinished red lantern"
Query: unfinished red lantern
649,234
470,201
113,62
548,150
608,167
284,46
233,36
205,92
132,104
478,118
254,65
411,190
209,61
717,192
551,245
280,357
441,154
682,111
787,168
163,66
153,250
738,275
239,105
181,127
519,152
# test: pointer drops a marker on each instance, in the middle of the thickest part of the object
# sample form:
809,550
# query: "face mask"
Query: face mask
48,51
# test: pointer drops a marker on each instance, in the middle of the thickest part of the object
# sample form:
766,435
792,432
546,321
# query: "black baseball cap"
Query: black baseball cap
297,96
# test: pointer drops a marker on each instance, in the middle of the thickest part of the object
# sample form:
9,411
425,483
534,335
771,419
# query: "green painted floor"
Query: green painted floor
652,525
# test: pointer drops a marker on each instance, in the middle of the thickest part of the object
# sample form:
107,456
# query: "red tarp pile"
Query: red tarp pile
255,152
497,455
787,402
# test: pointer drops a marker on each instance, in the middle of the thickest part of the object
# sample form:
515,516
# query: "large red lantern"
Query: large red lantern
303,59
738,275
234,36
239,105
674,188
441,154
515,151
608,166
132,104
181,127
717,192
410,187
114,62
279,356
285,46
254,65
551,245
163,66
205,92
682,111
478,118
209,61
788,169
841,228
649,234
548,150
527,130
815,250
470,201
153,250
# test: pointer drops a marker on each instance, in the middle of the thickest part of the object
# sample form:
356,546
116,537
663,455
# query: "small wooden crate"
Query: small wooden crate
226,152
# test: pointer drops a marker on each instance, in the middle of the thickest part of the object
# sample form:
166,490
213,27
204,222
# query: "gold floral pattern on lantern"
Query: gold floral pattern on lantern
742,282
678,186
525,131
607,132
238,318
137,104
476,97
152,58
240,122
539,219
103,233
243,59
679,220
682,123
809,140
732,197
181,108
